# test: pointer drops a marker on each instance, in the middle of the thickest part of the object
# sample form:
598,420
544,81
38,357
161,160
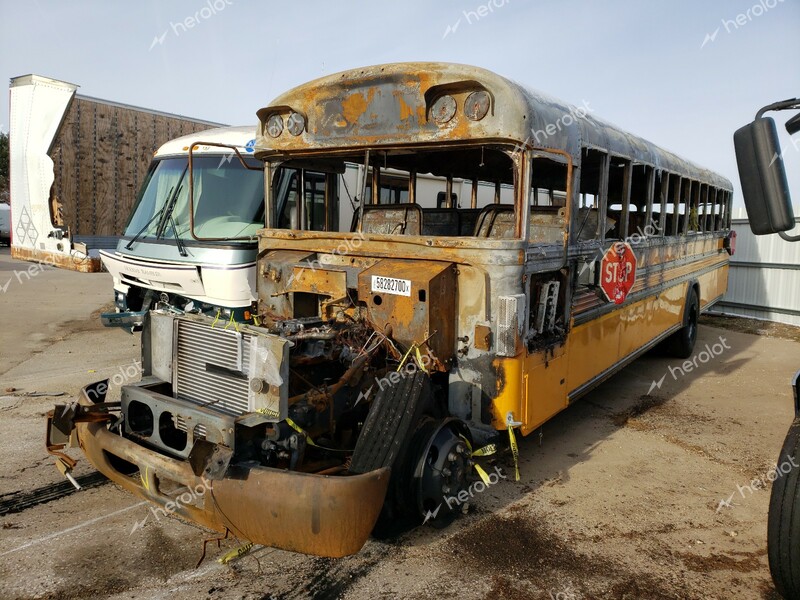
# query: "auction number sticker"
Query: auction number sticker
390,285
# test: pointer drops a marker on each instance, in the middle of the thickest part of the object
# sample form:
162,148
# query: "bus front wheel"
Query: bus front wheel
681,343
783,522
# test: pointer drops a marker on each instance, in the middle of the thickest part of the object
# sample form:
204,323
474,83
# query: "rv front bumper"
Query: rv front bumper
329,516
127,320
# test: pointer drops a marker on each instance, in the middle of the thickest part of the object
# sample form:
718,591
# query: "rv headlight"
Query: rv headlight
296,123
443,109
476,105
275,126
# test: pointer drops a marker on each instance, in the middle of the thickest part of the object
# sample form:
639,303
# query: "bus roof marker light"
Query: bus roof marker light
477,105
296,123
274,126
443,109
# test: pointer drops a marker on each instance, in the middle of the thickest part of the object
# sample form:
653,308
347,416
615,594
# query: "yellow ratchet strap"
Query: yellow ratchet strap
417,354
514,450
405,357
485,451
419,360
216,319
232,322
299,429
235,553
311,442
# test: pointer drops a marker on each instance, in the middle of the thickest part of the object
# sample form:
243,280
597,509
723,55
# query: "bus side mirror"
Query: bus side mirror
763,177
793,124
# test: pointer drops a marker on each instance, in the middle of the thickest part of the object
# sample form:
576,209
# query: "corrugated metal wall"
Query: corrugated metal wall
764,280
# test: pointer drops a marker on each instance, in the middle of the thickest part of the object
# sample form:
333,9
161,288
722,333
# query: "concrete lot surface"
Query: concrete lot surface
625,494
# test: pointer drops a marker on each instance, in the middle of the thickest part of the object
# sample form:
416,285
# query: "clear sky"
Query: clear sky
683,74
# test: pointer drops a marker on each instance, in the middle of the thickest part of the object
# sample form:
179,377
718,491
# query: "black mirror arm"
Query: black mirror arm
789,238
782,105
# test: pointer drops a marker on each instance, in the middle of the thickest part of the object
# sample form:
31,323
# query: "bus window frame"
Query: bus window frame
525,187
651,190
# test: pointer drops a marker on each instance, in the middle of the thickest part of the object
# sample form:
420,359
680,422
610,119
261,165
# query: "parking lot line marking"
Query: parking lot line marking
73,528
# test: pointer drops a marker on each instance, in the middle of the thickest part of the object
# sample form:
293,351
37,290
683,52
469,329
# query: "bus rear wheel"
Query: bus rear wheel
681,343
783,522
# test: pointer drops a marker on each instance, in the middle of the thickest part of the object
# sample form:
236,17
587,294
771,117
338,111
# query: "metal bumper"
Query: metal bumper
126,320
313,514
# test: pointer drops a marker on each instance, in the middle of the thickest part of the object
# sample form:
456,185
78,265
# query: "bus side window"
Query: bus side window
684,207
619,188
673,199
593,189
548,199
659,215
696,209
640,207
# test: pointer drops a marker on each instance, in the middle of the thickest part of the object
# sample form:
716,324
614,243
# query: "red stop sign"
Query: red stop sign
618,272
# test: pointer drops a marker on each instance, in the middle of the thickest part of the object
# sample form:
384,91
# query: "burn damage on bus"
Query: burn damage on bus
387,347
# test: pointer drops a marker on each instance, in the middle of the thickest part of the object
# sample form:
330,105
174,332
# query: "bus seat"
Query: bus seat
449,221
392,219
495,221
547,224
587,223
440,221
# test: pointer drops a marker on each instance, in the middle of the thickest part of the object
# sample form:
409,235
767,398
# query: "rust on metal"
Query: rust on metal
314,514
73,262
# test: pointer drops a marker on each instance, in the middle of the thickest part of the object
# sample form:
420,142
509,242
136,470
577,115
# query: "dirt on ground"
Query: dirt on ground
652,486
752,326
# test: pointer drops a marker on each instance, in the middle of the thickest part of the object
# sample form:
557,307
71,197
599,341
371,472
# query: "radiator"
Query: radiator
212,367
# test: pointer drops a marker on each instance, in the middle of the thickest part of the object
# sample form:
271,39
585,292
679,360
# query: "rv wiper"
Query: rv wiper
159,213
169,206
178,241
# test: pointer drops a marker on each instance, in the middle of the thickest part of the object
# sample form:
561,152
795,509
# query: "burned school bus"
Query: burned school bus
386,354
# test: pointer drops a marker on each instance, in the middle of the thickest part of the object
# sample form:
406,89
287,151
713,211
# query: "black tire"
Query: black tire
391,422
681,343
783,528
385,441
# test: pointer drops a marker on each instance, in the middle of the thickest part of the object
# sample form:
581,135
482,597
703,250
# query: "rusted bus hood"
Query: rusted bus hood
384,103
312,514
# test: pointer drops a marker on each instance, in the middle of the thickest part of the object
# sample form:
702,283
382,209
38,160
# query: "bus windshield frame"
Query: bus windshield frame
493,173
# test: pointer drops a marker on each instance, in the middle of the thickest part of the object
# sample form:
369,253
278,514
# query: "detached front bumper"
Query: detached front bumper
314,514
126,320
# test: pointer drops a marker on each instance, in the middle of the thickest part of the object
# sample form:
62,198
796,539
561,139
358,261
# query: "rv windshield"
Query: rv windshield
228,199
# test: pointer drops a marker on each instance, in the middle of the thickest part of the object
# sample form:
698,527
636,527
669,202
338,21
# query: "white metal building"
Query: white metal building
764,280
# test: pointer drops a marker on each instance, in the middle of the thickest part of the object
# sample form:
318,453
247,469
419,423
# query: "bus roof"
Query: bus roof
242,136
384,105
